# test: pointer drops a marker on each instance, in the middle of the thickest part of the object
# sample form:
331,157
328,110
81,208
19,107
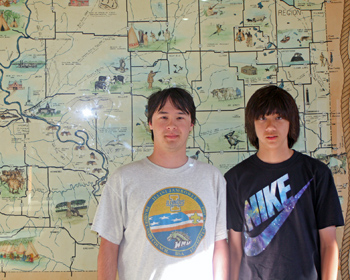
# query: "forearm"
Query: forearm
235,252
107,261
329,262
220,260
329,253
235,263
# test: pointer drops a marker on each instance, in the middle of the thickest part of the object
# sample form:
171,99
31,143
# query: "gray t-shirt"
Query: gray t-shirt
165,221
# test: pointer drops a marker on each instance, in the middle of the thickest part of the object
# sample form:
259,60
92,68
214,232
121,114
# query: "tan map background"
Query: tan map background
58,55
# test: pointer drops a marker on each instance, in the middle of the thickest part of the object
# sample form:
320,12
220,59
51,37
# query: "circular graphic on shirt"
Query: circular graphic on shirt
174,220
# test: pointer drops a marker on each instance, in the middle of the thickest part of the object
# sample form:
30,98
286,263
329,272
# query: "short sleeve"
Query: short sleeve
108,221
221,232
234,211
328,209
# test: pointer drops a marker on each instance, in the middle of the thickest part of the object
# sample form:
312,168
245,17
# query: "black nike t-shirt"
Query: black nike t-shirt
279,208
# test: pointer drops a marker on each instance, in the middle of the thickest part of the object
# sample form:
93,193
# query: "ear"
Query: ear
150,125
191,128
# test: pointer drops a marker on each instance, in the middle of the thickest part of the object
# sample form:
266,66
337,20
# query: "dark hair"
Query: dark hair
179,97
272,100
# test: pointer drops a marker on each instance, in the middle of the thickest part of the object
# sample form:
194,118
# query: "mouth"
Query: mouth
171,136
271,137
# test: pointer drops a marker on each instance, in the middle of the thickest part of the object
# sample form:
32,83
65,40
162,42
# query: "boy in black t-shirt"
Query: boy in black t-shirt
282,206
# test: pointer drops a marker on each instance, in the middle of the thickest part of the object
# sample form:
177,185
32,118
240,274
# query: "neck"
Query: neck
274,156
168,160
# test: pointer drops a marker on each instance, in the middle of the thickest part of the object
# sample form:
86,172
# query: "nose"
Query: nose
171,124
270,125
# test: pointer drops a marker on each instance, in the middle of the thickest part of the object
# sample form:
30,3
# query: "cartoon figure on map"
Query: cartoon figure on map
121,67
323,59
150,79
240,36
166,35
145,39
249,40
153,36
140,37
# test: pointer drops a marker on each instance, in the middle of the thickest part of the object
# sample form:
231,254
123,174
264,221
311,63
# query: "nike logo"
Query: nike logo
255,245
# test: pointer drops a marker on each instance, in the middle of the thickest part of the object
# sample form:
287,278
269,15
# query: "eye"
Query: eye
262,118
279,118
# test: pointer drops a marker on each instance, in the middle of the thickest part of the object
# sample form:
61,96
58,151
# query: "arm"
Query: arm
220,260
236,252
107,260
329,253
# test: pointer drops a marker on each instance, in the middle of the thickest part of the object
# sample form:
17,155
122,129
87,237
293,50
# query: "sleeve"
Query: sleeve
108,221
221,232
234,211
328,209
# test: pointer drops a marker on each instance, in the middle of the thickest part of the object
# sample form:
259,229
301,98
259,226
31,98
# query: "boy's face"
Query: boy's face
171,128
272,132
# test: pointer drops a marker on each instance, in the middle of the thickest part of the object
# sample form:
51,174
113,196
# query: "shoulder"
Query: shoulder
206,167
243,166
312,163
128,169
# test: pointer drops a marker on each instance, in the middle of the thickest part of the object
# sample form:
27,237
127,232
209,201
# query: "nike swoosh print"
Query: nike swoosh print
255,245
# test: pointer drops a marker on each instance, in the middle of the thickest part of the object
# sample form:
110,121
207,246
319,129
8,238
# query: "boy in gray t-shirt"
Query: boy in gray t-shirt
164,217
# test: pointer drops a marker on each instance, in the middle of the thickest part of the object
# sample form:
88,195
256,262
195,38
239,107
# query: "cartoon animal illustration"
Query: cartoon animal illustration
224,93
218,29
79,147
52,127
65,133
98,170
177,68
232,139
118,78
258,18
305,38
297,57
93,156
210,11
13,179
195,156
165,80
101,85
285,39
104,78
